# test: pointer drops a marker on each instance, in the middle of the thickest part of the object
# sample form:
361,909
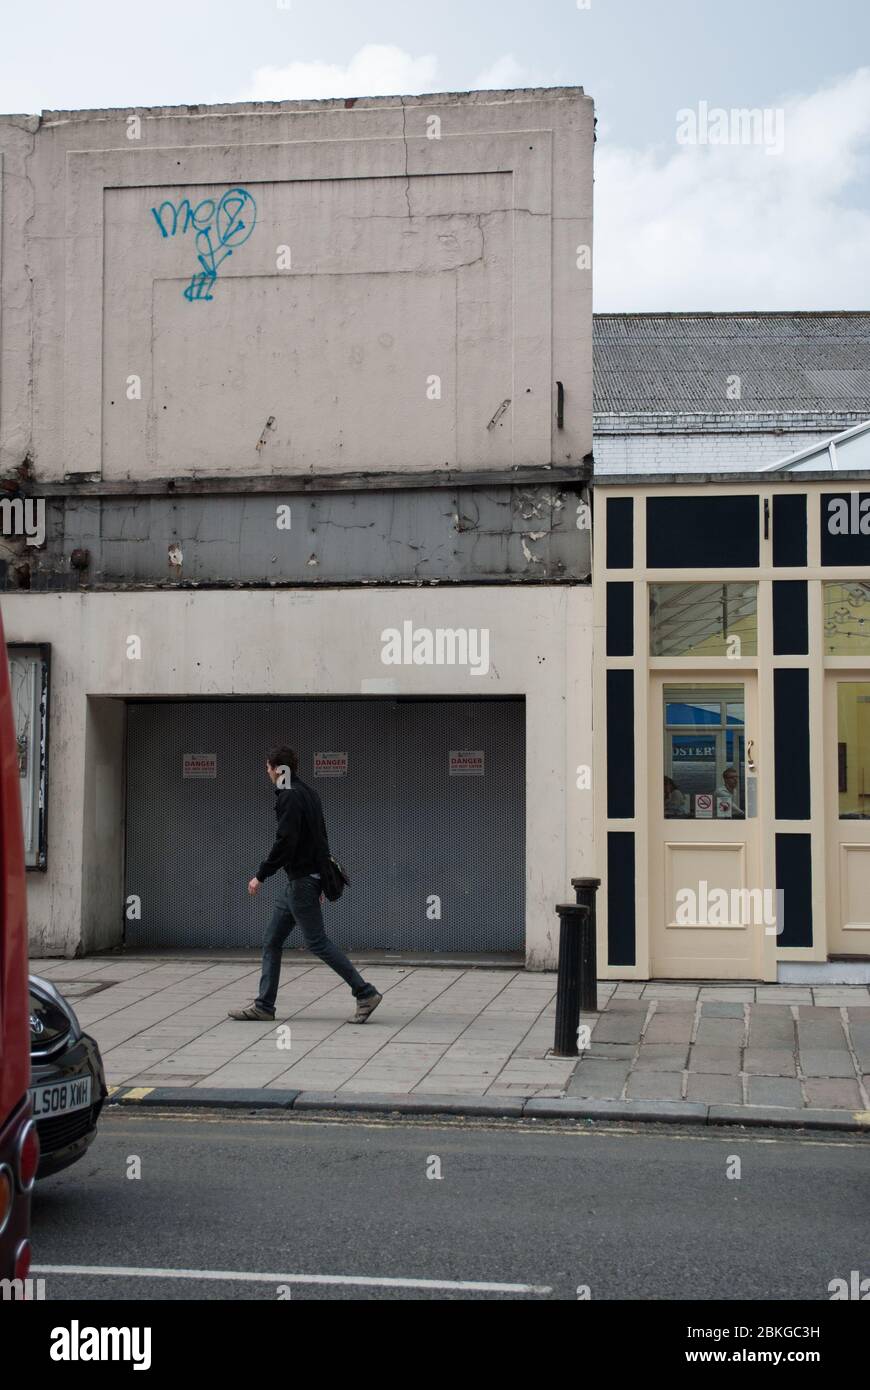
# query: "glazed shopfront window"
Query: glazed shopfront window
847,619
853,749
703,620
705,753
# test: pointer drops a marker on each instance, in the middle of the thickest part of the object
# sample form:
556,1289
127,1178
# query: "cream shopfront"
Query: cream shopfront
733,755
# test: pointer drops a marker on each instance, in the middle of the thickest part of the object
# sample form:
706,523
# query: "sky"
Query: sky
694,210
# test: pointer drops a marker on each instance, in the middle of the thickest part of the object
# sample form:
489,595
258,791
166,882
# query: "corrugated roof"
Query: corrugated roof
817,362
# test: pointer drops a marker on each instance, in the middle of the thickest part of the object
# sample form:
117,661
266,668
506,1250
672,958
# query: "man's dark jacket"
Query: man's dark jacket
301,845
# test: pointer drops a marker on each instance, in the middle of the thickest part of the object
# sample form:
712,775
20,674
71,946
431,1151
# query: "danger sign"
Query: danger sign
330,764
467,764
199,765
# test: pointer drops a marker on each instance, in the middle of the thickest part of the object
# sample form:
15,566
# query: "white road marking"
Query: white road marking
241,1276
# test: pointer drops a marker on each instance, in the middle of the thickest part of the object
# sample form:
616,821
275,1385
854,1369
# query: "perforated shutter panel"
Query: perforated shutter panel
408,832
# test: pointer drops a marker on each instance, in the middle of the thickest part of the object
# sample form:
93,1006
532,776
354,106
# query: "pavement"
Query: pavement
475,1040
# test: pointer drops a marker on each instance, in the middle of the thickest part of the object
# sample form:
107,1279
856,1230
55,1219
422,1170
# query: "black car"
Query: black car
67,1081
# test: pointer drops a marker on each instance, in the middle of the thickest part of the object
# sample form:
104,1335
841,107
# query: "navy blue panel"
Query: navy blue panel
845,512
794,875
620,745
620,533
621,934
791,740
790,529
620,619
702,532
790,621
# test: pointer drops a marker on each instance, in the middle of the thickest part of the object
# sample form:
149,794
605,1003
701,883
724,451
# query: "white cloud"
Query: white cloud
376,70
504,73
732,227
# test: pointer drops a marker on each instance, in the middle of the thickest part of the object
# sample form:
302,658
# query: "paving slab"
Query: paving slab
772,1032
848,995
655,1085
596,1090
715,1090
602,1051
593,1077
669,1028
833,1094
832,1062
720,1032
781,1091
769,1062
782,994
724,1061
620,1026
654,990
816,1020
728,994
661,1057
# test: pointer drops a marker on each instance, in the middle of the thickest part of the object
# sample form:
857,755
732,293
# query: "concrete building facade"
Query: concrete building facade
304,391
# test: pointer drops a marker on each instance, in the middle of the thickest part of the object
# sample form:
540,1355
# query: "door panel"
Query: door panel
847,803
708,913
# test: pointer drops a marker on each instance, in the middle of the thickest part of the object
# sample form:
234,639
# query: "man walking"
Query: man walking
301,848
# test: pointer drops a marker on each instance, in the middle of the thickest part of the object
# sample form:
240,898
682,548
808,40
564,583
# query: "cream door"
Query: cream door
708,909
847,809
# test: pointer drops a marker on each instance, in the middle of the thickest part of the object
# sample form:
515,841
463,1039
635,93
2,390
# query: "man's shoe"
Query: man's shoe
365,1007
252,1014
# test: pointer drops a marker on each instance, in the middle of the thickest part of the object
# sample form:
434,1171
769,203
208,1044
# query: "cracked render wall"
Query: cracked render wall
327,287
374,315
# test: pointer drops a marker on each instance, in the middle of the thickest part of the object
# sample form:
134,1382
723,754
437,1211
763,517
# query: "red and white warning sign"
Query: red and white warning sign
703,806
330,764
199,765
467,764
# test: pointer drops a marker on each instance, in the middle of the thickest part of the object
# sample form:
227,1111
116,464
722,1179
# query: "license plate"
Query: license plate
61,1097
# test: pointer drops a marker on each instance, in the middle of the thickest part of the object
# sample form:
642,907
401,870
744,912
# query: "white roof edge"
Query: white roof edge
827,446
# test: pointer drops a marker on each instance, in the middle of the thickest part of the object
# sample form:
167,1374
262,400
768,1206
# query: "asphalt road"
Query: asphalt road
310,1206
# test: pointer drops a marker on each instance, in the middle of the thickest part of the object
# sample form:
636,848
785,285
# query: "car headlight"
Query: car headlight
47,988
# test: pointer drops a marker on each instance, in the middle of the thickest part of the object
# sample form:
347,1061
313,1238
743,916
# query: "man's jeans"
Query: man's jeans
300,902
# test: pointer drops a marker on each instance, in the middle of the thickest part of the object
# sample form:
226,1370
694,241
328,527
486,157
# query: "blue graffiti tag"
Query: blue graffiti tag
220,229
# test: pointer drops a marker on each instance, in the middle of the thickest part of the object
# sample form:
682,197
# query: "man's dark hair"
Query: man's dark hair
284,757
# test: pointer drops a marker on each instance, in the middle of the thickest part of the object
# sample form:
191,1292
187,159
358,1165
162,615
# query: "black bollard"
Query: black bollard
585,890
577,984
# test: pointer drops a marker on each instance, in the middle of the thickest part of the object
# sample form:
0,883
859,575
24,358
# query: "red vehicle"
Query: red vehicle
19,1144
